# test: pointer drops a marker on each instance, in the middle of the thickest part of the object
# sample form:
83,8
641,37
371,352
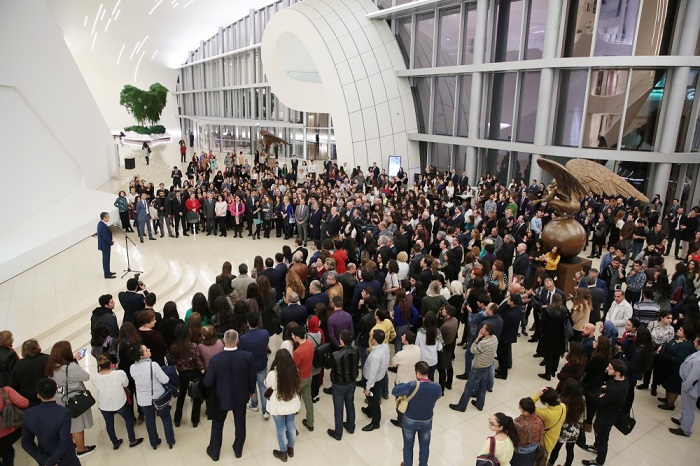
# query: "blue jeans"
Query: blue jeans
476,387
343,395
410,428
285,431
261,387
127,413
149,413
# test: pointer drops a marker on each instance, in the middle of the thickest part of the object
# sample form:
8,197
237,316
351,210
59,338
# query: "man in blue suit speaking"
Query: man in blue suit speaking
104,243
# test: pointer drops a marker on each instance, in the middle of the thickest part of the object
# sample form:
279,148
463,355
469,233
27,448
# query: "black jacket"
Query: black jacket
102,314
26,373
343,366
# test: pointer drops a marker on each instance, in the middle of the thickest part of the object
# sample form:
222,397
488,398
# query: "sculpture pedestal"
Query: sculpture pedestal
566,273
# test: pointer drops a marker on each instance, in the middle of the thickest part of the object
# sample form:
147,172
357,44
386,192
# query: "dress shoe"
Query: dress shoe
533,340
171,445
396,422
162,236
457,408
290,452
328,391
666,407
643,386
653,390
678,431
661,398
347,427
525,333
536,355
365,411
142,240
110,276
212,456
185,234
464,376
136,442
501,376
590,463
541,363
112,273
151,238
676,421
280,455
474,404
591,449
331,433
306,424
118,444
369,427
237,455
177,423
546,377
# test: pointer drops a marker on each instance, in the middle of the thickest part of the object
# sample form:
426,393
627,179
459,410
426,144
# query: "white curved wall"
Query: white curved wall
356,59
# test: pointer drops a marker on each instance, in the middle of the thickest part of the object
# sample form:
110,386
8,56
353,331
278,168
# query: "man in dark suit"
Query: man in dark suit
544,297
301,247
333,226
522,260
104,244
143,215
132,300
177,210
301,215
295,166
316,296
277,275
598,296
209,214
457,220
46,429
232,378
293,312
463,181
315,218
414,266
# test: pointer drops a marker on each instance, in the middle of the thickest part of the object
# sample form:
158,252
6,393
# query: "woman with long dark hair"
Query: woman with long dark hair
552,344
199,304
185,355
405,315
170,320
258,267
592,380
284,402
505,436
63,367
662,332
639,354
270,320
575,365
571,397
429,340
122,204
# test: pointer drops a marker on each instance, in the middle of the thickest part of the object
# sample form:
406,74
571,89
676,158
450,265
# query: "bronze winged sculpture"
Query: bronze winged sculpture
570,185
268,141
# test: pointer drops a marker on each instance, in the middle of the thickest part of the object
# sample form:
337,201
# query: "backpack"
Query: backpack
489,459
321,353
568,326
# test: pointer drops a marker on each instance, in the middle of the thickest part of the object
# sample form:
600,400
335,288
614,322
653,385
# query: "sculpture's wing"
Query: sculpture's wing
567,181
597,178
270,138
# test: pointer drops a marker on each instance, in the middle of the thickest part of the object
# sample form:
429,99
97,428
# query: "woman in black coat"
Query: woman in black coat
28,371
552,344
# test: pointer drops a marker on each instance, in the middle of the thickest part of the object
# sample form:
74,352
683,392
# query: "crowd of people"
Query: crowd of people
385,275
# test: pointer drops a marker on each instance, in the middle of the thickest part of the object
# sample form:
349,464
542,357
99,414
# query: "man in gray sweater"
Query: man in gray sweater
484,351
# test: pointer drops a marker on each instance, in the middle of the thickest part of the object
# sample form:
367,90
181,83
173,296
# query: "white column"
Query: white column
482,10
676,87
544,100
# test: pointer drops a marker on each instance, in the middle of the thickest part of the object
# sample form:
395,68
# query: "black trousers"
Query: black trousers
505,357
602,428
373,403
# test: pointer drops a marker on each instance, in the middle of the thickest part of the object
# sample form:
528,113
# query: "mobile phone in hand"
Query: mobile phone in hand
83,352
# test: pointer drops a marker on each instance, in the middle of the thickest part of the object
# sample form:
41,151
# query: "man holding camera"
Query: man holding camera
133,299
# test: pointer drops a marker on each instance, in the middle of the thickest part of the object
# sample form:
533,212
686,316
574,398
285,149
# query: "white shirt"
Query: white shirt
405,362
110,390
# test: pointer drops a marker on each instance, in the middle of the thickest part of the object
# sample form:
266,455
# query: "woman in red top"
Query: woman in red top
192,205
10,435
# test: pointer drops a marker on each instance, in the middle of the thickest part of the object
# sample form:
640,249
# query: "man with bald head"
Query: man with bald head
522,261
587,338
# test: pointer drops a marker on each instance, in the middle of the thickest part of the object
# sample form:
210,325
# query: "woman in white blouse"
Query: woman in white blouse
111,399
283,402
220,209
429,340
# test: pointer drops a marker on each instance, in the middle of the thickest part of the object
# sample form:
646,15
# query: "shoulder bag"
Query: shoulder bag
163,401
402,401
625,423
489,459
10,415
80,402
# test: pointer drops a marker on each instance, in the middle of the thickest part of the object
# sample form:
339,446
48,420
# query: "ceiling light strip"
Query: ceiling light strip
120,54
144,41
154,54
134,51
116,6
97,16
137,65
118,13
187,4
109,21
94,39
154,8
85,22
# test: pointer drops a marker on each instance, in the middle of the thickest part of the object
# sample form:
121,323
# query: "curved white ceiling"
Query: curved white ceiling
139,30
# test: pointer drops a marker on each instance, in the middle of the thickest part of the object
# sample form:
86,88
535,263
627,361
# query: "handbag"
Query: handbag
402,401
195,389
10,415
489,459
540,456
625,423
129,398
268,393
80,402
444,359
162,401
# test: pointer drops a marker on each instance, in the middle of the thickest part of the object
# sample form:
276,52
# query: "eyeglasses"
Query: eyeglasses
493,424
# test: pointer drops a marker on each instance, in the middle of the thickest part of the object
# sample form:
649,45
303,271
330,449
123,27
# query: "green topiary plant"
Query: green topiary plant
144,106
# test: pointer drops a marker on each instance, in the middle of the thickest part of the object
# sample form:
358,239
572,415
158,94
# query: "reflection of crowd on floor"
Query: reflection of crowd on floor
401,263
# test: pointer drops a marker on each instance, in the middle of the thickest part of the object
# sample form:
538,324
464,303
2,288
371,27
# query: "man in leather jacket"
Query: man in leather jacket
344,371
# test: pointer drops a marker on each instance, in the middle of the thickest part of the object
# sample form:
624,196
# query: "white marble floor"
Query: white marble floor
53,301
